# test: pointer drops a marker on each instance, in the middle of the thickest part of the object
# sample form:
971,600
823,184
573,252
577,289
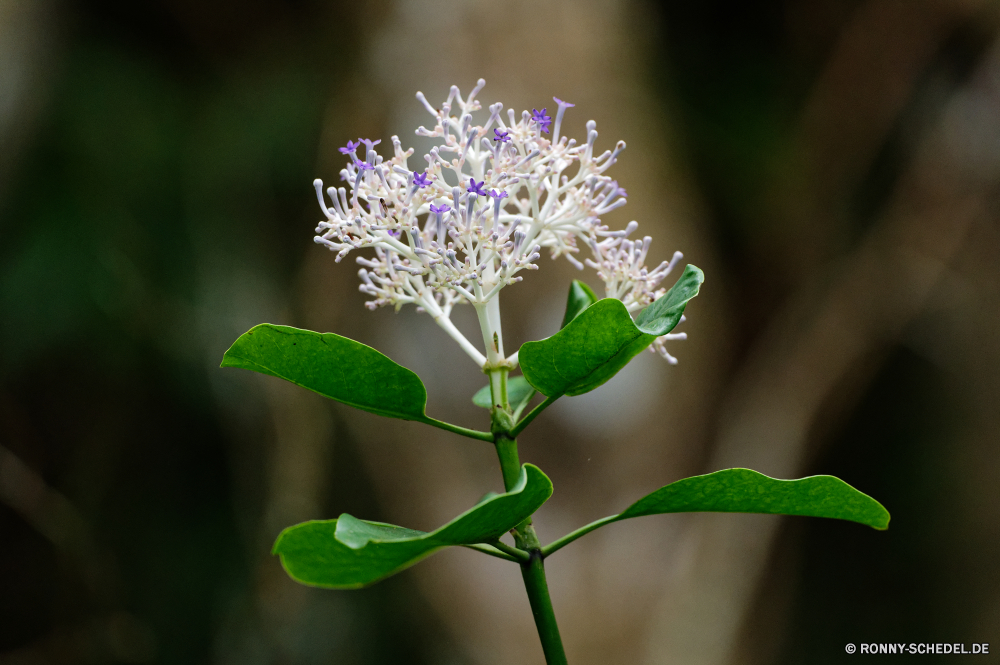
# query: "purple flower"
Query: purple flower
561,103
394,234
542,119
420,180
351,148
361,164
499,136
476,188
440,210
498,195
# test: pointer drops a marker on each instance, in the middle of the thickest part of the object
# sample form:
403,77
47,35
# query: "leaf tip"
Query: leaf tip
276,548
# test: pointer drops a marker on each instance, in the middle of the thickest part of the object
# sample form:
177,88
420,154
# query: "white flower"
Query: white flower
490,198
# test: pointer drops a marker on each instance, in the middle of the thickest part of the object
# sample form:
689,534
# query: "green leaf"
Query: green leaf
348,553
333,366
665,313
518,390
601,340
747,491
339,368
580,298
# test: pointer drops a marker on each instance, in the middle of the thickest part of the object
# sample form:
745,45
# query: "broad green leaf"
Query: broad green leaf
584,354
518,390
338,368
348,553
333,366
580,298
747,491
595,345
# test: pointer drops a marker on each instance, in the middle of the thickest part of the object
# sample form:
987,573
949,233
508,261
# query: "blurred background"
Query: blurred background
833,166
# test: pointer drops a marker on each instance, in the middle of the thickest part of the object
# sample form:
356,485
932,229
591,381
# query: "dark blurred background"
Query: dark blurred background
832,165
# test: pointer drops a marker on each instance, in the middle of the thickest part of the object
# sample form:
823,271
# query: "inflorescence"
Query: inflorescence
491,197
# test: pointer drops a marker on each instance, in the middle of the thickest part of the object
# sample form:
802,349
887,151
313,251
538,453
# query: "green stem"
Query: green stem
533,573
510,463
518,555
498,387
493,551
458,429
557,545
524,403
532,570
532,414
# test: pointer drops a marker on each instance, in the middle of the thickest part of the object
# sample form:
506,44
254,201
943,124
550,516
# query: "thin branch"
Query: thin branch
466,345
524,403
557,545
458,429
531,416
492,551
515,552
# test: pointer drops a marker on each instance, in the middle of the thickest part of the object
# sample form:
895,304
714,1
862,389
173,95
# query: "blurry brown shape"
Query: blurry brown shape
27,52
119,636
866,83
46,510
840,324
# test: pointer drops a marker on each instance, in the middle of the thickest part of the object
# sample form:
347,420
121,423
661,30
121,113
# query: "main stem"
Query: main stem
533,570
533,573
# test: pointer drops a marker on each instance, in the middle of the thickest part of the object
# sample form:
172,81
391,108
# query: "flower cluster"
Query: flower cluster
488,200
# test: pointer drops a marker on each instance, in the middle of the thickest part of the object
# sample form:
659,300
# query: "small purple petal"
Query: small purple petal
350,149
542,119
498,195
421,180
440,210
476,188
503,137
